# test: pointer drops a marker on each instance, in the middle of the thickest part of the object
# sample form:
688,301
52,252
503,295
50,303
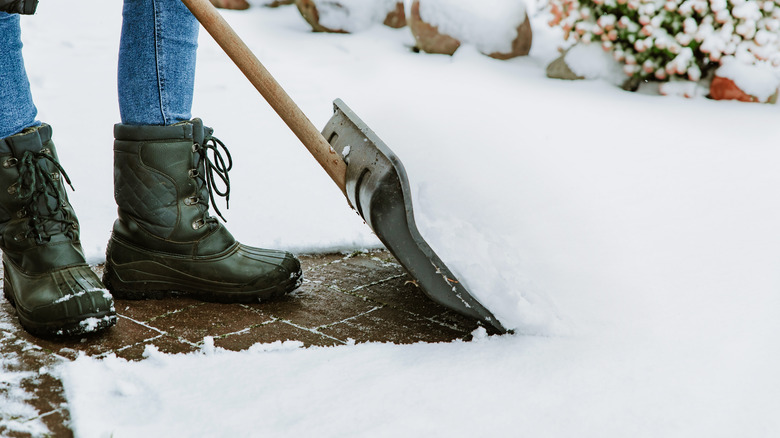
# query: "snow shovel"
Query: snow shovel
368,173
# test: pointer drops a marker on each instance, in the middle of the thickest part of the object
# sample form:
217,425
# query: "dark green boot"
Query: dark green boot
164,241
46,277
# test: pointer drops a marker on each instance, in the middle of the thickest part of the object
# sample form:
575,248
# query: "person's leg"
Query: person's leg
45,276
156,62
165,166
17,110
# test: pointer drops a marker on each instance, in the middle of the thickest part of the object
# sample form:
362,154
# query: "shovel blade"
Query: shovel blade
378,189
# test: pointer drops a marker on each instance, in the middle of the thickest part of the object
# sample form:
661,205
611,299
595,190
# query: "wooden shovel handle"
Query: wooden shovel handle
257,74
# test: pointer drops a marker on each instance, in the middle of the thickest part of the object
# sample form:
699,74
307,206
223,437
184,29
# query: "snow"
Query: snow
590,61
68,297
761,81
491,25
353,15
630,239
499,386
17,415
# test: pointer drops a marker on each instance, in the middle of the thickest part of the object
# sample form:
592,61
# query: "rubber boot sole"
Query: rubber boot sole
158,287
77,326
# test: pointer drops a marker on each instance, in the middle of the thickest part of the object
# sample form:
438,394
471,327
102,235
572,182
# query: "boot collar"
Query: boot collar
31,139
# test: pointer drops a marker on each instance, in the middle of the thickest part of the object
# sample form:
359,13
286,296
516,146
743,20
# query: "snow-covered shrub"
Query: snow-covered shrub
664,39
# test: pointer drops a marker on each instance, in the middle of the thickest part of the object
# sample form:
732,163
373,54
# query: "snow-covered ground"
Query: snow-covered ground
630,239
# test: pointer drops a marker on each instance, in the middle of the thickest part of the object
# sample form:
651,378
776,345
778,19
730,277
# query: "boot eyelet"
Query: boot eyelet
194,173
12,189
192,200
195,147
74,225
198,224
10,162
55,176
19,237
46,151
21,213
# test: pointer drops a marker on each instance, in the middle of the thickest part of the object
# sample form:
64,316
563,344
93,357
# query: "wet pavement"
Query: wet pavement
363,296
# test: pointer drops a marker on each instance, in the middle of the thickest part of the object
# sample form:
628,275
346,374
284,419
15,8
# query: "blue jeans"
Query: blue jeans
156,67
17,110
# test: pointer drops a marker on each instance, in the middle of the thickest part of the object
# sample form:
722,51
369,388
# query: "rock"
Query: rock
397,17
231,4
277,3
558,69
725,89
428,37
521,44
309,12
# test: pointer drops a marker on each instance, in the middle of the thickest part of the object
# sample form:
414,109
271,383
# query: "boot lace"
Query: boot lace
216,169
37,188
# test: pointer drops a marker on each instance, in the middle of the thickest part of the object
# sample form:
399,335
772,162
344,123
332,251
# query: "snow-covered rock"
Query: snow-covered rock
428,38
558,69
396,18
746,83
498,28
586,61
348,16
231,4
275,3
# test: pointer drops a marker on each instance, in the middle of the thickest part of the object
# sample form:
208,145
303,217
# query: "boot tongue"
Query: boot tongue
30,139
45,204
40,179
198,131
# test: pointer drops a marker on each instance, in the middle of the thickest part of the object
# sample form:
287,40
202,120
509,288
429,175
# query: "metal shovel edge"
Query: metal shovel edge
369,174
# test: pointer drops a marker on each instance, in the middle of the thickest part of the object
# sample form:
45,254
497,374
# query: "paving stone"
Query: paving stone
313,261
274,331
401,293
209,319
164,343
147,310
353,272
123,334
315,305
391,325
45,390
362,296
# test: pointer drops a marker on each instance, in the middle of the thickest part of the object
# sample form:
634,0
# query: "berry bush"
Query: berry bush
664,39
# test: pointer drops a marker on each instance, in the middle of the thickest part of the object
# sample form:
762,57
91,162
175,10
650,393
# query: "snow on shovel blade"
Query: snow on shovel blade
377,187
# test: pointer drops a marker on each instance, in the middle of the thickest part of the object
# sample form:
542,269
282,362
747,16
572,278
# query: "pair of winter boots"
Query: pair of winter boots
164,241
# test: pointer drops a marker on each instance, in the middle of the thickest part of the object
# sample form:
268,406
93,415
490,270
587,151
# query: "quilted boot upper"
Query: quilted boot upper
165,240
161,186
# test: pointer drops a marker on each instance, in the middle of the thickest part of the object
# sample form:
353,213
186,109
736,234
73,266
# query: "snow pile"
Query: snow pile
760,80
491,25
682,88
353,15
500,386
590,61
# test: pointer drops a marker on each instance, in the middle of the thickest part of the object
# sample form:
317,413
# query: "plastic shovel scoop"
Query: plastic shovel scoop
368,173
